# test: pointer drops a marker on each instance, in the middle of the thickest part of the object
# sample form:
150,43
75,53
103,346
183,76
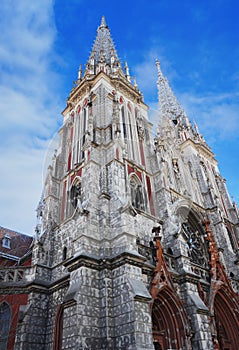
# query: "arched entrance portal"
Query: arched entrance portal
169,322
227,323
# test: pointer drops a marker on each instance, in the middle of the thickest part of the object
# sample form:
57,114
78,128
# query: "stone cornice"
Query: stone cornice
100,263
36,286
201,148
119,83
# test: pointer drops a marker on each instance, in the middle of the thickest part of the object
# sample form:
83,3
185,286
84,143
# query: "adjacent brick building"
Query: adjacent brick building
15,259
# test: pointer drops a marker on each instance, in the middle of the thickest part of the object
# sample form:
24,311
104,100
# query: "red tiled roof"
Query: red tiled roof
20,243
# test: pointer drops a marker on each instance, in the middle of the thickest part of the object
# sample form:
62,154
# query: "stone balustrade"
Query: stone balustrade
14,274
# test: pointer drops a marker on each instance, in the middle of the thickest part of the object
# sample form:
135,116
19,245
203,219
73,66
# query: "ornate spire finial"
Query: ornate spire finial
127,75
103,23
157,65
80,72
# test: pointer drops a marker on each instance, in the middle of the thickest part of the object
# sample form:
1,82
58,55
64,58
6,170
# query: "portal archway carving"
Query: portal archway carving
170,325
226,319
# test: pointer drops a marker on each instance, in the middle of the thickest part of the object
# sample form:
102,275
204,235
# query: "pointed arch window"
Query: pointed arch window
77,142
136,190
74,195
196,243
232,236
83,131
131,135
124,123
5,321
64,253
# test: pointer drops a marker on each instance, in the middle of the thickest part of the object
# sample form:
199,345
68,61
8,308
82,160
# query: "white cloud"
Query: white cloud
21,181
28,106
146,72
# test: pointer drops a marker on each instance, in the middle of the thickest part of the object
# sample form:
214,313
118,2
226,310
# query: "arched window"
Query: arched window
232,237
74,196
131,136
193,234
137,198
84,121
5,321
124,124
64,253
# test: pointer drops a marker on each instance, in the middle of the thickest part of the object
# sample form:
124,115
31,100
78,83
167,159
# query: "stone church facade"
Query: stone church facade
137,241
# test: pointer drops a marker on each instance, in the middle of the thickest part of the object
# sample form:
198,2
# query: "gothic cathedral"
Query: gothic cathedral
137,241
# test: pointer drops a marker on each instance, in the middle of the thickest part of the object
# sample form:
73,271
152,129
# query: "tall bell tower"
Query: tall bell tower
97,203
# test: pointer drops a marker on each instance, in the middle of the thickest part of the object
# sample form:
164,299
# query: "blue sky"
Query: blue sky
42,44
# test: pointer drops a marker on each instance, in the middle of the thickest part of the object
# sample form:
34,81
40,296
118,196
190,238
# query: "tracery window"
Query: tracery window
137,197
5,321
196,244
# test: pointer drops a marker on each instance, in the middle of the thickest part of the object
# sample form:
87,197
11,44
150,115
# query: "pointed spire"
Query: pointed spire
135,83
196,128
160,75
103,53
168,104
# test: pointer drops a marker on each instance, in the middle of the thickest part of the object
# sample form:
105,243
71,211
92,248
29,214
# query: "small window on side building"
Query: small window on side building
6,241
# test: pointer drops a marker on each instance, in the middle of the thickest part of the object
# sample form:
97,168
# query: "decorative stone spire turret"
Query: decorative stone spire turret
127,75
168,104
80,72
103,23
